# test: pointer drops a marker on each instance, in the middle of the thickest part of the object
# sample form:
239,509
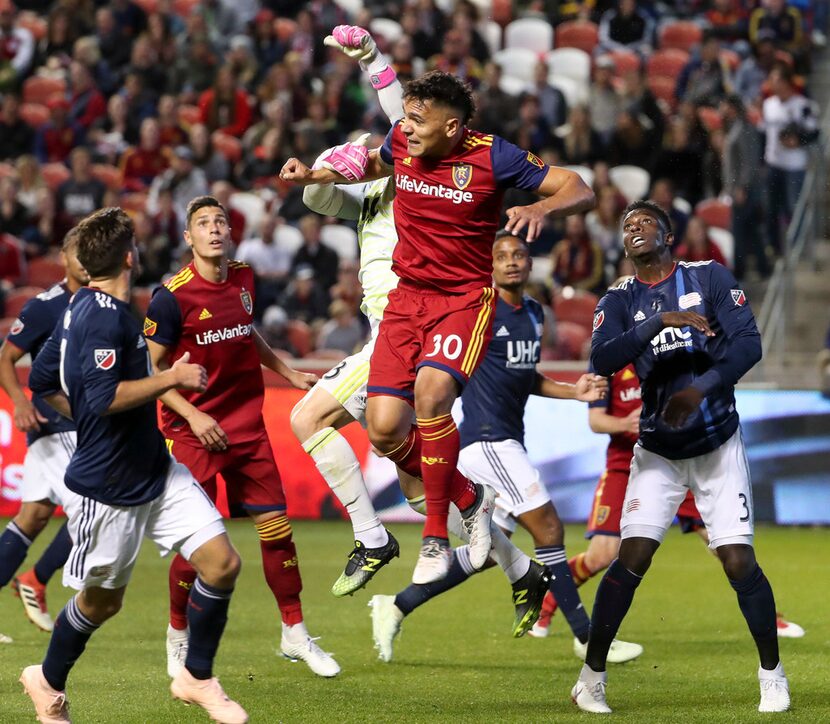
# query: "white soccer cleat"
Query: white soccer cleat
434,561
619,653
297,645
590,696
775,689
177,642
477,526
787,629
386,624
208,694
6,639
539,631
51,705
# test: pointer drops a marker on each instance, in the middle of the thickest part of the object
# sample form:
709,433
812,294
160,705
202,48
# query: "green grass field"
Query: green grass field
455,660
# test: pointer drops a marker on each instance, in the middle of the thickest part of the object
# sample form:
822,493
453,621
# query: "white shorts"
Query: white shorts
107,538
44,467
719,481
505,466
346,381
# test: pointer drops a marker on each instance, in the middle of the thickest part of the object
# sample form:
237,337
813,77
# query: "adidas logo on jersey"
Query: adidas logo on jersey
205,315
639,317
503,332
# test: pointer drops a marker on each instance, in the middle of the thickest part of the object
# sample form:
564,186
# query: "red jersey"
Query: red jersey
447,210
139,167
214,322
623,398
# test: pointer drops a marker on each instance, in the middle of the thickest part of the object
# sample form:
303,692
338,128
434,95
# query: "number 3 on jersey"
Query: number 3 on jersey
451,346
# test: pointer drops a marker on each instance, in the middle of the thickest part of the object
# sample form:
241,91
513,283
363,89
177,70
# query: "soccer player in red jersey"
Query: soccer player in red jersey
207,309
450,181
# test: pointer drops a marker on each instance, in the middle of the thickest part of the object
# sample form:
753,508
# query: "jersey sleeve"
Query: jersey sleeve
33,325
386,149
100,356
515,168
163,323
44,377
738,326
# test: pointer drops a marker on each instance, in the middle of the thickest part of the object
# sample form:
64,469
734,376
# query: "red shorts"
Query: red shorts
424,327
252,481
688,515
608,502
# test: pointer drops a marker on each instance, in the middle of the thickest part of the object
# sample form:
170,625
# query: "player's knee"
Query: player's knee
738,561
549,531
636,554
303,423
33,518
601,556
387,433
99,605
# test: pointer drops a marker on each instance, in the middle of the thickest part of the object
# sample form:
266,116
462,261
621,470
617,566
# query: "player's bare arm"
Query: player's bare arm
204,427
687,319
300,380
26,416
604,424
565,193
296,171
588,388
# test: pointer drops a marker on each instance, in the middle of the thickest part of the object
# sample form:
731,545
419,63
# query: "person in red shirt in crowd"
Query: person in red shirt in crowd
56,139
86,103
226,107
17,48
171,134
12,263
729,21
577,261
141,164
697,246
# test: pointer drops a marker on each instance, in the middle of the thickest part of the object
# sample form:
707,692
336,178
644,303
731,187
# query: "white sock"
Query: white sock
775,673
340,468
295,631
589,676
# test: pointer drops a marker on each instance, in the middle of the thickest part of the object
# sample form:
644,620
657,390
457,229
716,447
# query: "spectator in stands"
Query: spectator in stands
12,263
54,49
87,103
111,135
304,299
704,79
30,183
153,248
162,39
225,106
130,19
791,124
783,21
17,48
342,331
742,173
242,61
16,136
711,164
465,19
42,231
754,70
631,142
404,61
195,70
141,103
580,145
274,329
171,133
577,261
662,193
603,227
166,222
268,49
604,102
455,58
58,136
274,115
184,180
425,38
86,51
313,253
494,105
222,192
728,21
114,50
696,244
81,193
260,168
141,164
145,62
269,260
530,129
552,101
626,28
638,98
205,155
13,215
681,161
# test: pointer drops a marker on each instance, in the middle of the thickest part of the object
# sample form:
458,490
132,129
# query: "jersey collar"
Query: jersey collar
659,281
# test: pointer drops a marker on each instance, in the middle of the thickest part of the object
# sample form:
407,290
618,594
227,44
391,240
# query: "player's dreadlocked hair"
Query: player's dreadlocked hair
653,208
201,202
103,239
445,89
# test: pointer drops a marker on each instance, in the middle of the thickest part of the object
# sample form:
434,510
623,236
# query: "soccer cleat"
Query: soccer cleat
541,628
477,527
177,642
208,694
386,624
591,697
51,706
434,561
296,645
619,653
32,594
528,594
6,639
775,689
363,564
787,629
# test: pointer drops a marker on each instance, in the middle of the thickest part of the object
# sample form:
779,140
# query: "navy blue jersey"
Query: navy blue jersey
628,328
29,333
121,459
495,397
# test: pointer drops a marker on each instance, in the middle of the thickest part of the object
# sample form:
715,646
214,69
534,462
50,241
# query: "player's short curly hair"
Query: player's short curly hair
202,202
70,241
505,234
104,237
444,89
653,208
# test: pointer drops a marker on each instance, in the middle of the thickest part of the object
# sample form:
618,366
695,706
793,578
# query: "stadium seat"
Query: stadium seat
54,174
715,213
502,11
16,298
710,118
491,32
575,92
140,299
34,23
578,309
289,238
683,206
188,115
682,34
342,239
570,62
586,173
229,146
573,341
350,7
725,242
519,63
35,114
108,174
513,86
390,30
668,62
252,208
134,201
44,271
632,181
542,270
300,336
663,87
40,90
532,33
582,34
625,61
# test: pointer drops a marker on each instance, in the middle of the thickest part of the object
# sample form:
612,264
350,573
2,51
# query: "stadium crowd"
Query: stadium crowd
702,106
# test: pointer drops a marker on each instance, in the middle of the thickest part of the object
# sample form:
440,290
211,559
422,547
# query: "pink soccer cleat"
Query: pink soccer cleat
208,694
51,706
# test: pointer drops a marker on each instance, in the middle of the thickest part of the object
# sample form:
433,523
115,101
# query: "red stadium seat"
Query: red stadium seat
715,213
108,174
16,298
35,114
682,34
579,309
668,62
573,341
625,61
710,118
141,299
54,174
663,89
44,271
229,146
40,90
581,34
300,336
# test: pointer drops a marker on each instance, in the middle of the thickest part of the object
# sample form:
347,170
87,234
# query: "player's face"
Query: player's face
429,129
643,235
209,233
74,269
511,263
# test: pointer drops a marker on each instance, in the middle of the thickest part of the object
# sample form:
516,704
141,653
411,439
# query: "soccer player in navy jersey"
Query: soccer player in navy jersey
450,181
124,484
50,439
691,336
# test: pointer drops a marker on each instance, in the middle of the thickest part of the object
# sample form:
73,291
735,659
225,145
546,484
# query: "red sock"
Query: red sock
579,572
181,578
282,570
407,456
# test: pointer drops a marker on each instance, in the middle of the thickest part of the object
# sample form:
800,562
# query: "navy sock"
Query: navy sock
14,544
563,588
72,631
416,594
54,556
758,607
613,599
207,614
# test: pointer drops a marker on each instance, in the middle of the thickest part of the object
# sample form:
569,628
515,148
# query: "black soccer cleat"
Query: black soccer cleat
363,564
528,593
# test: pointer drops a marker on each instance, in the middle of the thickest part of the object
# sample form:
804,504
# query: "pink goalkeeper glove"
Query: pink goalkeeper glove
348,159
354,41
